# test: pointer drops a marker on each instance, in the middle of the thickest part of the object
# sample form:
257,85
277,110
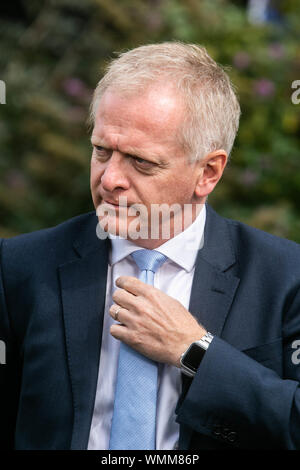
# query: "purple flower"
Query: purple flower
276,50
241,60
264,87
74,87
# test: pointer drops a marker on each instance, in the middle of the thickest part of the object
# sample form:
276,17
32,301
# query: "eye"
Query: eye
101,152
140,160
143,164
99,148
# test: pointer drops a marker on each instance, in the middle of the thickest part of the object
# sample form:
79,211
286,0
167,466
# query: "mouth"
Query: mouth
121,203
110,202
116,205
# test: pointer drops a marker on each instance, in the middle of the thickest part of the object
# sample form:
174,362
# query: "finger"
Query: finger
118,313
133,285
124,299
114,311
120,332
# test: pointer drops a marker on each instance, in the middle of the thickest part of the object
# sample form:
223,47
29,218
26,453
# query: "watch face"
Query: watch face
193,357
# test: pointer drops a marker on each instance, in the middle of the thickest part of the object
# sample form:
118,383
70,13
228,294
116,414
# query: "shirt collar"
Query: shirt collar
182,249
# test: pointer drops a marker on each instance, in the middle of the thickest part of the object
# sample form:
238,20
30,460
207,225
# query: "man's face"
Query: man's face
137,158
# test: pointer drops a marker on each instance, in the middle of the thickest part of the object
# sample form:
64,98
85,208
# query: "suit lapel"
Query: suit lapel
83,288
211,297
214,287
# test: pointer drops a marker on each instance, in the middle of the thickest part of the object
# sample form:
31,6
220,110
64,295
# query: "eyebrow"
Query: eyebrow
131,151
98,141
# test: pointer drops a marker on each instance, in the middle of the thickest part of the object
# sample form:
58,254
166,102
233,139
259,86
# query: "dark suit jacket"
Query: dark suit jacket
245,291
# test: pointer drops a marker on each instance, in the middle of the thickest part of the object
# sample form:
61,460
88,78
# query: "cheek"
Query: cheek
95,174
95,178
155,192
148,193
177,186
184,186
179,192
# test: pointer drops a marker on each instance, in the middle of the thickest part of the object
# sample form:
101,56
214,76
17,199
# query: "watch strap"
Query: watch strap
205,341
203,345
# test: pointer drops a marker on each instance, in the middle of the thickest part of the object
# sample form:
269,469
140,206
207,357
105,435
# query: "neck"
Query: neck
168,229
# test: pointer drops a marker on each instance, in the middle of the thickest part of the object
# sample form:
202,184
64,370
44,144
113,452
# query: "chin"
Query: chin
125,227
114,226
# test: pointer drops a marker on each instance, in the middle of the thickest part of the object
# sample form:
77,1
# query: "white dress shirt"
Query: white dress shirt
174,278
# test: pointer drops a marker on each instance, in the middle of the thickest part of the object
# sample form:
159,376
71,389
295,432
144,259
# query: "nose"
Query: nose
114,174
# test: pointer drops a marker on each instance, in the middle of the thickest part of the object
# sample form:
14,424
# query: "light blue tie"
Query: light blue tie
134,416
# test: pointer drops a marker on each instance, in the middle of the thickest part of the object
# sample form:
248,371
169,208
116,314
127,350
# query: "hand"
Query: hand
151,322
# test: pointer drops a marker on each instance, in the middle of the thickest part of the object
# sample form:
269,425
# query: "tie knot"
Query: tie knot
149,260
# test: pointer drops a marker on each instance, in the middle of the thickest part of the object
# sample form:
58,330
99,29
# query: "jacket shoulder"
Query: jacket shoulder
252,235
55,242
271,253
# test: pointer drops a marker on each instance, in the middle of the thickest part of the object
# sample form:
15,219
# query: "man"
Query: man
204,358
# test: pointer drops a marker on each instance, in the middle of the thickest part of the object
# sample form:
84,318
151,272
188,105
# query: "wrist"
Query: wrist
191,358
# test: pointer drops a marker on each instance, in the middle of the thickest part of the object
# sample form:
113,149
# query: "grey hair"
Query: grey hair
212,110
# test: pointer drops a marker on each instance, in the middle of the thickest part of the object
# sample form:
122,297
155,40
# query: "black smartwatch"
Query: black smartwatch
191,358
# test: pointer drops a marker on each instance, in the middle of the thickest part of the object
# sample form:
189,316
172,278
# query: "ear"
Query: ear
211,169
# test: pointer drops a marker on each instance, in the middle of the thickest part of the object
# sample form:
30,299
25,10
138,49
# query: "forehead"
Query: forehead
157,112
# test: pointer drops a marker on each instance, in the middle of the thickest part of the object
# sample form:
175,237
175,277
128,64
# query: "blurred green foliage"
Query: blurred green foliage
52,57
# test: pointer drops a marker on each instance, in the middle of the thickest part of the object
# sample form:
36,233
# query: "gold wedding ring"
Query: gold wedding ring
116,313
